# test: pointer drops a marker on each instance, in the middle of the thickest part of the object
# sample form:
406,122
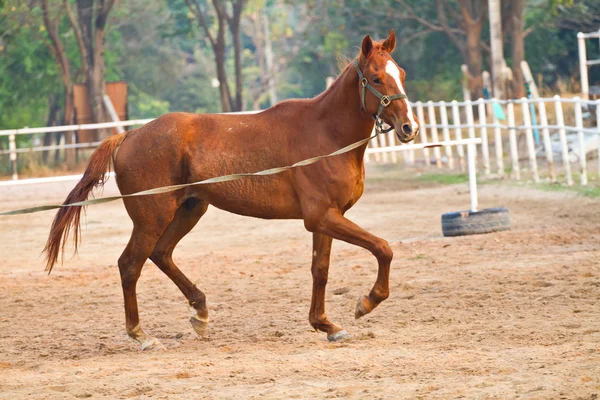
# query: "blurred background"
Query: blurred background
59,57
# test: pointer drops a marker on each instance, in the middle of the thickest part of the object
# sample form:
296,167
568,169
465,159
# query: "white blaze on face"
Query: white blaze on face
392,70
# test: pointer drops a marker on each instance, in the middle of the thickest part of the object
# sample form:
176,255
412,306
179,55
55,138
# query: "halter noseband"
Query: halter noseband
384,100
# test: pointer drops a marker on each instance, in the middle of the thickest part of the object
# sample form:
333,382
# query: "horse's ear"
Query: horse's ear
367,46
389,44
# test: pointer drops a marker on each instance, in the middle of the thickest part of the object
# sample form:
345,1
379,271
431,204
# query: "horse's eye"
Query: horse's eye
377,81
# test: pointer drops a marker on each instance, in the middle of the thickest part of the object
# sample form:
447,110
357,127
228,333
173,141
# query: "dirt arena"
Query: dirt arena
505,315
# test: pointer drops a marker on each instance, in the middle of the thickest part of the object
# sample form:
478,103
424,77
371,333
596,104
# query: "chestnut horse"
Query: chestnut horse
180,148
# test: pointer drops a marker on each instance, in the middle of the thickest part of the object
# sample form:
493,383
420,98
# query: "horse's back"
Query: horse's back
181,148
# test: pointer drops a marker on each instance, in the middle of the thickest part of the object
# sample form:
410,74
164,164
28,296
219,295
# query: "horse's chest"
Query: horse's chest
354,190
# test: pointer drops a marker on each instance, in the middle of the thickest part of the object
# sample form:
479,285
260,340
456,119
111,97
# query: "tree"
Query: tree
462,22
90,30
217,41
57,48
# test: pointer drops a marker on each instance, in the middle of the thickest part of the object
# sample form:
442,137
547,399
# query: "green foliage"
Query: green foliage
164,55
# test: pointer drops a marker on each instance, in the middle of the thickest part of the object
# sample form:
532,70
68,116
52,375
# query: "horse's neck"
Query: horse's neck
340,106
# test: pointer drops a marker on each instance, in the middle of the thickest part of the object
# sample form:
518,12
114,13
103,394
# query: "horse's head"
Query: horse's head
384,80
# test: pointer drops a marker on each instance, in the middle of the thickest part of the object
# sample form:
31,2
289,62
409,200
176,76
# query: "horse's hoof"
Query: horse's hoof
152,343
338,336
199,325
360,308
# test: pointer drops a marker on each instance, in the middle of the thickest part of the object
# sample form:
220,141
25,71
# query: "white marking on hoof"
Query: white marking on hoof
199,325
152,343
148,342
360,309
341,335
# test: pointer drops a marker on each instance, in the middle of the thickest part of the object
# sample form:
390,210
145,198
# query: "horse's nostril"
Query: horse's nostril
407,129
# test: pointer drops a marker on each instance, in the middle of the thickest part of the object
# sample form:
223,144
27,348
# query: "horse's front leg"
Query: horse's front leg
320,271
335,225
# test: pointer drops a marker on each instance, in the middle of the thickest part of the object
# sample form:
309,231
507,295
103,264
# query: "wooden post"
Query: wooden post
423,132
581,137
498,144
497,51
458,134
514,154
598,134
434,133
583,71
375,144
529,139
547,142
381,139
560,121
485,151
391,138
465,82
12,146
470,122
446,133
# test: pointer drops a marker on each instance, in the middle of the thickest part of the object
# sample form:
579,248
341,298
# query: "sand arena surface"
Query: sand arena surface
503,315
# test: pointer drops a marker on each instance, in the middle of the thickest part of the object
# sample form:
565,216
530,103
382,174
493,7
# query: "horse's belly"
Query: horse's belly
257,196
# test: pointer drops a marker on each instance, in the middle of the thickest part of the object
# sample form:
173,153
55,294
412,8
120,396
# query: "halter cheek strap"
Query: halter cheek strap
384,100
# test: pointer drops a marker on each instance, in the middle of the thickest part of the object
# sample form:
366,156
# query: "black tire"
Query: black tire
474,222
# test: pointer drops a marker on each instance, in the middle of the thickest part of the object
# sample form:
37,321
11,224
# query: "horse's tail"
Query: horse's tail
68,218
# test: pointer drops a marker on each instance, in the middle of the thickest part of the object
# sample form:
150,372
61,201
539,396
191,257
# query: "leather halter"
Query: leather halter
384,100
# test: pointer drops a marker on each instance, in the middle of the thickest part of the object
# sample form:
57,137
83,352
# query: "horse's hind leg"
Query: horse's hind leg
185,219
130,266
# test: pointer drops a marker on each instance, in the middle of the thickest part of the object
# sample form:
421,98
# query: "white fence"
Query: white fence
569,136
564,135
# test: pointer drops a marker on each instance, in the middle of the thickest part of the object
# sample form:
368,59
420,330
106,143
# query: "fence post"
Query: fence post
434,133
12,146
458,134
514,154
529,139
581,137
598,134
470,121
472,175
498,143
547,142
583,69
423,131
485,151
560,121
381,139
446,133
375,144
392,142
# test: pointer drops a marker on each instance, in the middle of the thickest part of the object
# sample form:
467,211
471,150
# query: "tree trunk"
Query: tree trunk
518,48
53,109
92,25
68,120
95,84
269,60
475,59
234,24
226,102
497,49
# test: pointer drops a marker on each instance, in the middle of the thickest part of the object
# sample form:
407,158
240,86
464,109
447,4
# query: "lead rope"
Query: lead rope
384,102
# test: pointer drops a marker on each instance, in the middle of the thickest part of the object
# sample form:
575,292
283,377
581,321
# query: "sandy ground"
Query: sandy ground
514,314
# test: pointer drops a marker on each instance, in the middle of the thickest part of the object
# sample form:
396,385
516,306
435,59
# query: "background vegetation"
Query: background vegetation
168,51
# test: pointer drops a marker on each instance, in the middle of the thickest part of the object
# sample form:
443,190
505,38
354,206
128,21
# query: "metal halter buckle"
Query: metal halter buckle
385,101
364,81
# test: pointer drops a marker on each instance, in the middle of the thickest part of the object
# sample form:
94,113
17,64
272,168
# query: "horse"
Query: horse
183,147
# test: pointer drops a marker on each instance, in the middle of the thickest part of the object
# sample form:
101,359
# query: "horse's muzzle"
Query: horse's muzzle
407,137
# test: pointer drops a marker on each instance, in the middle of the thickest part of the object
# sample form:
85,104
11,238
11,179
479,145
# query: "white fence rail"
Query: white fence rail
569,131
565,134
